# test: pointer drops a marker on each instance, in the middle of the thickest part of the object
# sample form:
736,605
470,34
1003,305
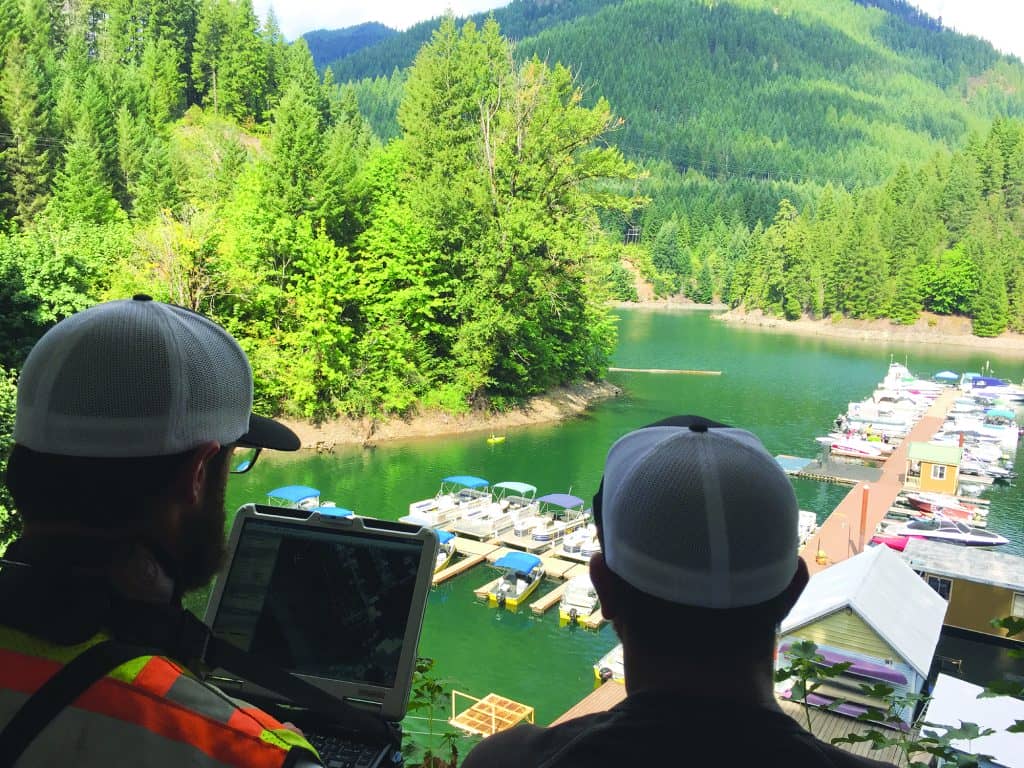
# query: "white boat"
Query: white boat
578,601
807,524
307,498
511,502
942,529
611,666
458,496
561,514
582,542
446,550
855,447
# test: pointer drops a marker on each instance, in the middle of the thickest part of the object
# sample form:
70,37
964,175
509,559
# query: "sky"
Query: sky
1001,22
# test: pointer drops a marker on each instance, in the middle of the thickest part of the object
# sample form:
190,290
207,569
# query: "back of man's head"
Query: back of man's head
698,525
115,397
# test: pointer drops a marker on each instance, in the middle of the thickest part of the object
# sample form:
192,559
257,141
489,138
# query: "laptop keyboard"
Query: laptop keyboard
338,752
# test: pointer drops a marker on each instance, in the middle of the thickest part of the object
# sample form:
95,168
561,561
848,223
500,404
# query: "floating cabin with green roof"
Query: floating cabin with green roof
933,467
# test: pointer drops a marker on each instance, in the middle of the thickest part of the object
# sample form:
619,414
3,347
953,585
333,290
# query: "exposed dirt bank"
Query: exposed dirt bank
561,403
673,304
929,329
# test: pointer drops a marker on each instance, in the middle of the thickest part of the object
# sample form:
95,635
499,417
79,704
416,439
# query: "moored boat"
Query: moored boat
561,514
953,531
611,666
446,550
578,601
511,502
459,495
522,575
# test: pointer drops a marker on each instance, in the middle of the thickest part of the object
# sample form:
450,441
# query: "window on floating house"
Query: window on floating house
942,586
1017,609
938,471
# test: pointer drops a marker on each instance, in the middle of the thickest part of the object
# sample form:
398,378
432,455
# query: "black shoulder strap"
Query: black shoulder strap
60,691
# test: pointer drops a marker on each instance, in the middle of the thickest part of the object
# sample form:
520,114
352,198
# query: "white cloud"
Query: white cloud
1001,22
298,16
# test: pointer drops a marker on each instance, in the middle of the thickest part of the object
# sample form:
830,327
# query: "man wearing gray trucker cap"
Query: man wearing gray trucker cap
698,528
130,416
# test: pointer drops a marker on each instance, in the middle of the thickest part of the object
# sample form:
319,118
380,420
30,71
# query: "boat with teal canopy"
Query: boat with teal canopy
459,496
299,496
511,502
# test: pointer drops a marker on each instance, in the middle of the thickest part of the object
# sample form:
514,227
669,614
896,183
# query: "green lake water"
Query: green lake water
786,389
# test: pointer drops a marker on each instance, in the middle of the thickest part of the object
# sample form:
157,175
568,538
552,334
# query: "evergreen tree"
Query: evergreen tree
82,192
27,157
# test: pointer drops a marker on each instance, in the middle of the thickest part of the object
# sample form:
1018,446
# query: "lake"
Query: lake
786,389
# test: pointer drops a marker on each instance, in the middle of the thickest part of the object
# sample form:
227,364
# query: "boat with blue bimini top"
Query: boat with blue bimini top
446,550
301,497
562,513
511,501
458,496
522,575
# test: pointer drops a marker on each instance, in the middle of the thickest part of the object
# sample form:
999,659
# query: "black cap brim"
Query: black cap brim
267,433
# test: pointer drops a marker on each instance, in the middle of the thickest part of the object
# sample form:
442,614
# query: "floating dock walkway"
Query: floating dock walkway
841,472
849,528
488,715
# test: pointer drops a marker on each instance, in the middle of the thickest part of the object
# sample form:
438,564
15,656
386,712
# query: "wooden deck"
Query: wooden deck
472,553
852,524
824,725
543,604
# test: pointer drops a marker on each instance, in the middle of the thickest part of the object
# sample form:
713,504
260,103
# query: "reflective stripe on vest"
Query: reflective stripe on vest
148,712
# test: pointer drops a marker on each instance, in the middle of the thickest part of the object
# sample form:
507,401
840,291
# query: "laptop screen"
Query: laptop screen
320,601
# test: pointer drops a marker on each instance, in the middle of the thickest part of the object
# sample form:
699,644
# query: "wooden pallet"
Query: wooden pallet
490,714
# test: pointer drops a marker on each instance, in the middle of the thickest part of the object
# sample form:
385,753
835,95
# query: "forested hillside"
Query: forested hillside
330,45
803,157
184,149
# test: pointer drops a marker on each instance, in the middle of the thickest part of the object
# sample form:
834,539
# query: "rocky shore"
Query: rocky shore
561,403
929,329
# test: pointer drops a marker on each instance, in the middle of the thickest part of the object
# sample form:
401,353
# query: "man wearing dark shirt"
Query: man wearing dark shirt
698,527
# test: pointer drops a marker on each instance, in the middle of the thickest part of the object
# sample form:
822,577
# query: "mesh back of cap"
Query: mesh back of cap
133,378
700,518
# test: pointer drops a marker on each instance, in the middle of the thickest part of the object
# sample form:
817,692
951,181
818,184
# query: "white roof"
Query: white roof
956,701
883,590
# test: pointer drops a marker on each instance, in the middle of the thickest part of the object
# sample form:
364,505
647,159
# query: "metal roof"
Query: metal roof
880,588
955,701
934,453
984,566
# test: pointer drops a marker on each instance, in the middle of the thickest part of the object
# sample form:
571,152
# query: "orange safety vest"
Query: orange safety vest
148,712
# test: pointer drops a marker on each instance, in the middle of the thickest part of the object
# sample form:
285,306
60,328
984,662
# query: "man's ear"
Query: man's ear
604,583
192,477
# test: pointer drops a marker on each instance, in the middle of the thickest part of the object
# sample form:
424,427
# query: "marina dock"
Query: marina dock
852,524
473,553
828,471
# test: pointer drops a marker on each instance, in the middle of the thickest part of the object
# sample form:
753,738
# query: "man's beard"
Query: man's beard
202,540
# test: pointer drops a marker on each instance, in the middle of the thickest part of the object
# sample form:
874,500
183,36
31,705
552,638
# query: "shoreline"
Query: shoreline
559,404
929,329
672,305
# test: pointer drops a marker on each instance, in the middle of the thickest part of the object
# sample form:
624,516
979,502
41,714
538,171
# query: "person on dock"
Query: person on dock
130,416
699,565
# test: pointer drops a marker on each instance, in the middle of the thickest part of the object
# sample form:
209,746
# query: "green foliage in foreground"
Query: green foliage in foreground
9,521
185,151
808,670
